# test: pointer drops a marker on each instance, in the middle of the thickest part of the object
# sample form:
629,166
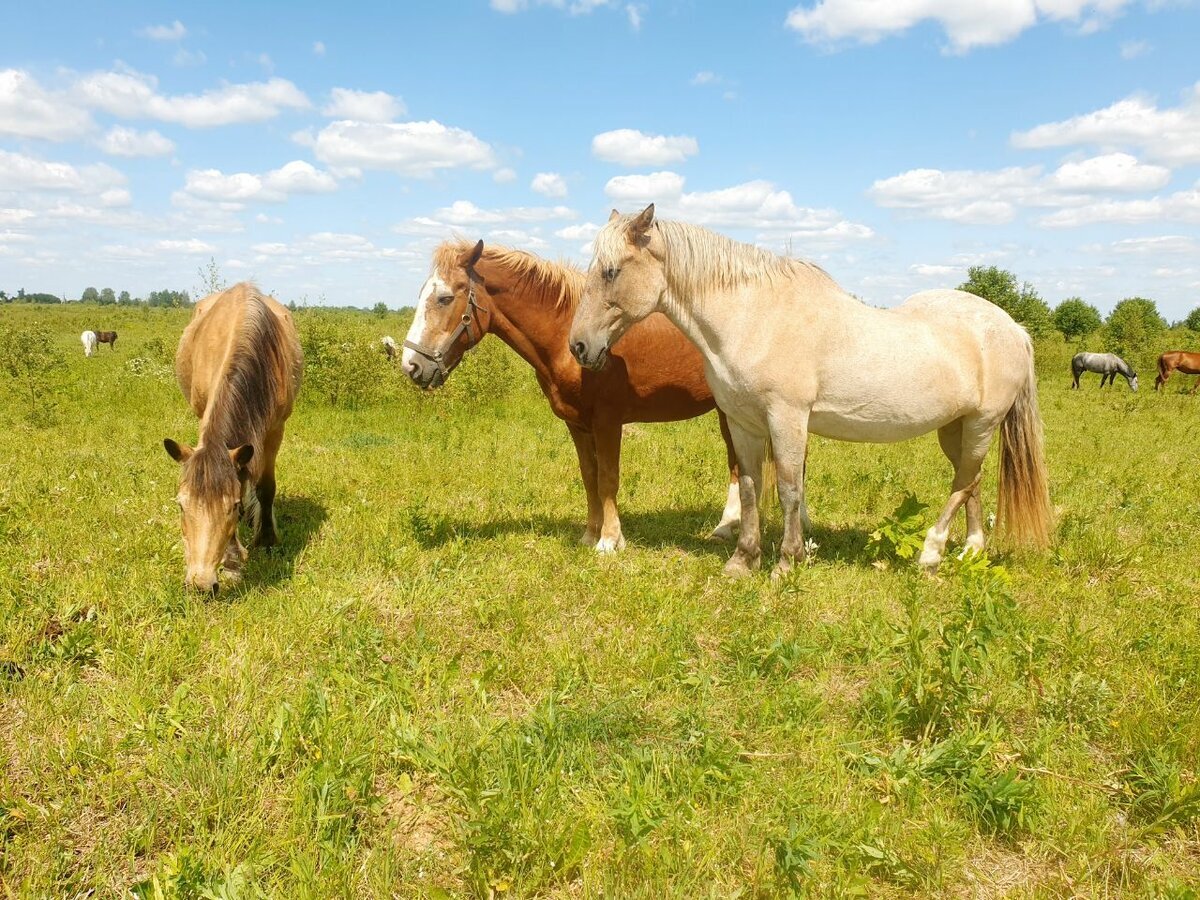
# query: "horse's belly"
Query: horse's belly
870,430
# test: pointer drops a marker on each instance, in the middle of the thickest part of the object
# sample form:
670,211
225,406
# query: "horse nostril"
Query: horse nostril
578,348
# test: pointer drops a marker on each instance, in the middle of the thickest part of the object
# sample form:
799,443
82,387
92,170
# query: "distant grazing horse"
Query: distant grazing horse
239,366
788,352
389,347
1177,361
527,302
1108,365
106,337
89,342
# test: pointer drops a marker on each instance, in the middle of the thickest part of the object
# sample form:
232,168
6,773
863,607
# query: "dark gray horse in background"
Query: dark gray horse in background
1109,365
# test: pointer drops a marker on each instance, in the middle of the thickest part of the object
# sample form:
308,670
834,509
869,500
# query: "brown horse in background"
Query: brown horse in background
239,366
107,337
656,374
1177,361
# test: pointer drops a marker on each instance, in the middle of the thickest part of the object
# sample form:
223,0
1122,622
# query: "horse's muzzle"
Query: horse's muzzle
595,360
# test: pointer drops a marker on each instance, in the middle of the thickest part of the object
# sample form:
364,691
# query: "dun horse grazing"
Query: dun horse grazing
1177,361
89,342
788,352
527,302
389,347
1108,365
107,337
239,366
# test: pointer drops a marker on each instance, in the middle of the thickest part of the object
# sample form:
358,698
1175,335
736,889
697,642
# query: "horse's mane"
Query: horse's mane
249,392
700,261
563,281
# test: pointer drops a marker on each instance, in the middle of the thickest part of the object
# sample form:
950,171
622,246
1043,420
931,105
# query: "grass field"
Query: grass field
431,690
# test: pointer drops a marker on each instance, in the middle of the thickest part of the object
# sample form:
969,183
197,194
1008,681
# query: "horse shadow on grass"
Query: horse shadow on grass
676,528
298,518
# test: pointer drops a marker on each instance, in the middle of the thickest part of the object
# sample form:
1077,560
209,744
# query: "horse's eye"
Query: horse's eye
446,301
610,274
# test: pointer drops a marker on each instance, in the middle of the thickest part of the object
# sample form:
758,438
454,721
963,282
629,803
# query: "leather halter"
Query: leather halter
467,326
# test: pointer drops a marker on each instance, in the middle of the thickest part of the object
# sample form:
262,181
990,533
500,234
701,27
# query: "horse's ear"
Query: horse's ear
178,452
242,455
641,224
470,257
613,215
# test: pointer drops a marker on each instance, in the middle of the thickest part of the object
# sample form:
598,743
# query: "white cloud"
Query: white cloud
966,24
318,48
504,176
28,110
186,57
363,106
1183,206
1134,49
933,271
1171,135
232,190
417,149
464,212
585,231
633,11
173,32
549,184
1167,243
128,142
26,173
574,7
656,187
630,147
993,197
1111,172
132,95
702,78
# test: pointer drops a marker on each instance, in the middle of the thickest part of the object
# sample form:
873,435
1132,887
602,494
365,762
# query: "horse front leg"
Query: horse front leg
262,518
585,449
732,516
751,451
608,480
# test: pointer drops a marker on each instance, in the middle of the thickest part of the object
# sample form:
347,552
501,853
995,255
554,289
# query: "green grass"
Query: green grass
431,690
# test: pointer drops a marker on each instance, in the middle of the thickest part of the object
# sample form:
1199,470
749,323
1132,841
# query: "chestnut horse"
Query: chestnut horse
239,366
107,337
527,302
1177,361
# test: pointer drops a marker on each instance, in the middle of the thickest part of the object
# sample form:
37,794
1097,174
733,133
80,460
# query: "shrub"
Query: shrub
343,367
28,356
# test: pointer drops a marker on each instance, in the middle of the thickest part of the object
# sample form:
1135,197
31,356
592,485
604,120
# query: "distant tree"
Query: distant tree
4,298
90,295
1192,321
1000,287
124,299
169,298
380,309
1133,327
21,294
42,298
107,297
1075,318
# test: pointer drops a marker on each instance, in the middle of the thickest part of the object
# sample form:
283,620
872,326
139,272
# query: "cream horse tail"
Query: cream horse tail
1023,511
770,479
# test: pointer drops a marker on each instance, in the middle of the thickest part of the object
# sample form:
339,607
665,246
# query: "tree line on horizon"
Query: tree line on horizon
104,297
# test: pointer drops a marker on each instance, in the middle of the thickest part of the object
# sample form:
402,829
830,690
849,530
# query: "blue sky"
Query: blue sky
324,149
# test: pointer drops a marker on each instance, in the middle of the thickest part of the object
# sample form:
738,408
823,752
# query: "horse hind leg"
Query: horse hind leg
731,518
972,446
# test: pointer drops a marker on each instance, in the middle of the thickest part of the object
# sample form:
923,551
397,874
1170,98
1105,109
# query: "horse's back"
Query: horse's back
212,334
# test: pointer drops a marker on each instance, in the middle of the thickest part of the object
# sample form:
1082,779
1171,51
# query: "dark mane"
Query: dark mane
248,393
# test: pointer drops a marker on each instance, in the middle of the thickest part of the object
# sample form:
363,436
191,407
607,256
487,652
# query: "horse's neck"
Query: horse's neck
534,324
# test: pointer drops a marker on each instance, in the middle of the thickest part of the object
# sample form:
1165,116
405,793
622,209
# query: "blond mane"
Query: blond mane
562,281
700,262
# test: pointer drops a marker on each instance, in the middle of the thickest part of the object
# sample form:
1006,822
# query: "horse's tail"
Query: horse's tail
770,478
1023,512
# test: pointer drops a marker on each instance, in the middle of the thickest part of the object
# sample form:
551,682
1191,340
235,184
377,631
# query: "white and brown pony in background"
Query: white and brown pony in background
788,353
239,366
390,347
89,342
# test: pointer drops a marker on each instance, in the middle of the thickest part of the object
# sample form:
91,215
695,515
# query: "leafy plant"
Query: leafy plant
901,536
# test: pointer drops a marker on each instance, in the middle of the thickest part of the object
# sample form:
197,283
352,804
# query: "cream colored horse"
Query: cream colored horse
788,353
239,366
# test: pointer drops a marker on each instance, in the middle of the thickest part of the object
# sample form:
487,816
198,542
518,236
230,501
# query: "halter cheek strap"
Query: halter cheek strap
437,356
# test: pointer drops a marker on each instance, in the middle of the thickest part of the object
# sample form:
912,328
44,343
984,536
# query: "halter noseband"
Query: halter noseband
467,325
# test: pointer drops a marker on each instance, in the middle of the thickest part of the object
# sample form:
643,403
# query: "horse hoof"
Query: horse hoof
722,534
737,567
610,545
589,539
780,571
269,539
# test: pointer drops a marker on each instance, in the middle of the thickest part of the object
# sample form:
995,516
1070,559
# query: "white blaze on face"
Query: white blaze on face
433,287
